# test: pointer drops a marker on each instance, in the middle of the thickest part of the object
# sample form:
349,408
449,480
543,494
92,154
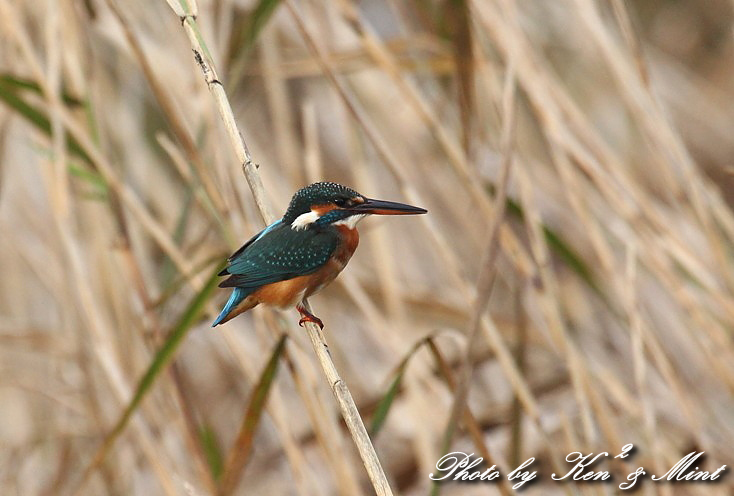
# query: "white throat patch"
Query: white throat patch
350,221
304,220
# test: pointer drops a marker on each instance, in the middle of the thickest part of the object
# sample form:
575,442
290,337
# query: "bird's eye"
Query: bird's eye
341,202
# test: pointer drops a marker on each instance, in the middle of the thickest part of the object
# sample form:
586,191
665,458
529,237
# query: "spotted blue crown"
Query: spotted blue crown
316,194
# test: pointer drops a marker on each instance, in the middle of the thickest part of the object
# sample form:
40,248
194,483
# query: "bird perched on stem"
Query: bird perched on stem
301,253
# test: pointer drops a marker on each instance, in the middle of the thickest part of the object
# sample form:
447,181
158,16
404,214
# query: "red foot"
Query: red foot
307,316
313,319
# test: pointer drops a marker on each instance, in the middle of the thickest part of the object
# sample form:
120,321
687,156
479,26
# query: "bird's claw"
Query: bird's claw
311,318
307,316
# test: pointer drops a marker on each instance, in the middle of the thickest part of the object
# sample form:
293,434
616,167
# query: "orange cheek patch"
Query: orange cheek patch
323,209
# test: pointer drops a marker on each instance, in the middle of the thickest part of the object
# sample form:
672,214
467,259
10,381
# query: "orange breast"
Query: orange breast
350,240
285,294
323,277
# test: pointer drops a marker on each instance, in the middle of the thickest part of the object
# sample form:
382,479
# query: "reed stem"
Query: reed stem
186,10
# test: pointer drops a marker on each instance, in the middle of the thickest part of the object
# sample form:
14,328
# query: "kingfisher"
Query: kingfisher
301,253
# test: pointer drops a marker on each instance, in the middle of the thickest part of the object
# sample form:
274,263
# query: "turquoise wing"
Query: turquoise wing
279,253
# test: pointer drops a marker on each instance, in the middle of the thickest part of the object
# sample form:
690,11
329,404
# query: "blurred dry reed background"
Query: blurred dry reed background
606,317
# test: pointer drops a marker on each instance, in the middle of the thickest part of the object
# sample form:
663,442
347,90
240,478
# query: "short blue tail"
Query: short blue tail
235,299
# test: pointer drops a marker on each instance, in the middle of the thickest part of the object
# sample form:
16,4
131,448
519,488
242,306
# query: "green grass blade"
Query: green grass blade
30,85
171,290
383,407
252,25
240,453
246,30
10,95
91,177
561,249
212,450
168,269
452,425
192,313
164,355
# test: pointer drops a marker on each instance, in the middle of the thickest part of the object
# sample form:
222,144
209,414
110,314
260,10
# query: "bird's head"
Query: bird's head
323,204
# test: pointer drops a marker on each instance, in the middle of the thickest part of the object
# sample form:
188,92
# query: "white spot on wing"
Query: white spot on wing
304,220
350,221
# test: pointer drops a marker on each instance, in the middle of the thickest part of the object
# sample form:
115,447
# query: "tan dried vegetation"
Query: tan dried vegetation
571,284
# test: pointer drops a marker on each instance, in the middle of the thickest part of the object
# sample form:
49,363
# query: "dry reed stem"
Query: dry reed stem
169,109
521,348
187,14
554,320
278,413
96,325
654,333
280,103
631,38
488,271
638,356
475,431
441,242
453,150
391,323
535,79
681,253
325,429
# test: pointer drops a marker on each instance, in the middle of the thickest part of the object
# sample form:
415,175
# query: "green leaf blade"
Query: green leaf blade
242,447
161,359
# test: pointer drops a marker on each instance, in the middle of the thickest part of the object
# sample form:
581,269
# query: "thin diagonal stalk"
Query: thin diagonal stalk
169,109
442,243
79,282
472,425
507,238
488,272
186,10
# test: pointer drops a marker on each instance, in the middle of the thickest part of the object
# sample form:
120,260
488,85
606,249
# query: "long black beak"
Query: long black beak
382,207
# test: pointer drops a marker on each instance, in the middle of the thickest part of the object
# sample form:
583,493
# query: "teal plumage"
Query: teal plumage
237,296
316,194
283,254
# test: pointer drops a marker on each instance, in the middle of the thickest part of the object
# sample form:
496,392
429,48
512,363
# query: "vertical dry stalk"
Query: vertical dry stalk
79,282
442,243
488,272
187,12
